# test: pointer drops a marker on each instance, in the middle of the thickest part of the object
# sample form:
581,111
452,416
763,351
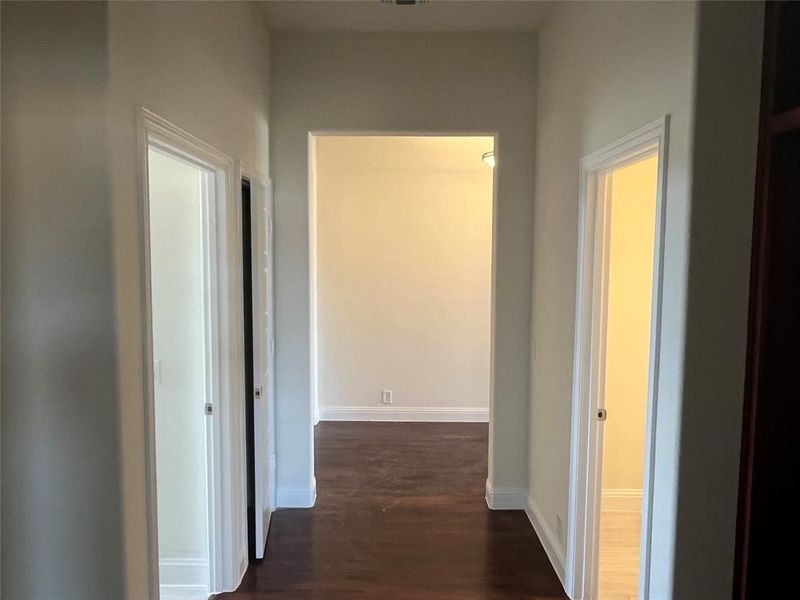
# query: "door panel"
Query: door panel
263,356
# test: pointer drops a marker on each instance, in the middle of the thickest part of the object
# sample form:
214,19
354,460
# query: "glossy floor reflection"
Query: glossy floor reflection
400,515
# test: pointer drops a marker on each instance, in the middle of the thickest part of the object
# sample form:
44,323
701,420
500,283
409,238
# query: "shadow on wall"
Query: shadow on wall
728,91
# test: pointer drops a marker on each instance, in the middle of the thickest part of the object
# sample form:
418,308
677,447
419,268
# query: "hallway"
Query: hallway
400,515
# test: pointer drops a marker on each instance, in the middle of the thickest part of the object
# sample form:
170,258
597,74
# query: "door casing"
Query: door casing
589,359
227,480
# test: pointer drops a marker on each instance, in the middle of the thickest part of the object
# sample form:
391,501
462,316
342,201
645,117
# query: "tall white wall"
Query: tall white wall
606,69
404,250
176,251
404,82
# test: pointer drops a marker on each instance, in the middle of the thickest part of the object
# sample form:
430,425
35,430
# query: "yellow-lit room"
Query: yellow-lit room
630,284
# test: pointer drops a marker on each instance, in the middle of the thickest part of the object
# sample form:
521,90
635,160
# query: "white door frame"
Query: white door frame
589,359
227,497
313,299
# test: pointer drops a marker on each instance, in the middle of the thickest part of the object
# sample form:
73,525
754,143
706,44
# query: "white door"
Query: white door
264,359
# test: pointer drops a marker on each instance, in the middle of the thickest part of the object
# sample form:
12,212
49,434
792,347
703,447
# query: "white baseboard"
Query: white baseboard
505,498
622,500
405,414
552,546
272,497
266,517
244,561
182,592
183,578
297,497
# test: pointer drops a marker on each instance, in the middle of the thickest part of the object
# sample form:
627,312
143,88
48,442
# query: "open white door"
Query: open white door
264,359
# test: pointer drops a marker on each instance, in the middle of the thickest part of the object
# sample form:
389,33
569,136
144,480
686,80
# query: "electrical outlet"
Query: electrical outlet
386,396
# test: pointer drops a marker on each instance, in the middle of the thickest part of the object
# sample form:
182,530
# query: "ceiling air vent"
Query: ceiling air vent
405,2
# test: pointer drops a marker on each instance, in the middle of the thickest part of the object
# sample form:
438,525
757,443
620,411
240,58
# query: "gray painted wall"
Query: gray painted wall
727,100
607,68
204,66
74,512
393,82
61,520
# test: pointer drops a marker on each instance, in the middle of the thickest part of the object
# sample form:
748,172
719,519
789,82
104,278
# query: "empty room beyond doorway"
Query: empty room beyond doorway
627,358
402,226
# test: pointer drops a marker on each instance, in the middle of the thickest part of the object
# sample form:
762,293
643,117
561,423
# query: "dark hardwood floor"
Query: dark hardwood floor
400,515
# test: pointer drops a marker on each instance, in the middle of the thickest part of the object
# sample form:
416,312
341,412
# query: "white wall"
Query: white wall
404,249
205,67
404,82
176,251
606,69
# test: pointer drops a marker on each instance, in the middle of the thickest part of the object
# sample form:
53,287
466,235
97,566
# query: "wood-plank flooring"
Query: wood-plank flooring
400,515
620,549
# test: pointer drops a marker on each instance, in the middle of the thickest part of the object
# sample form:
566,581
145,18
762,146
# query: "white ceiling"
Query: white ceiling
375,15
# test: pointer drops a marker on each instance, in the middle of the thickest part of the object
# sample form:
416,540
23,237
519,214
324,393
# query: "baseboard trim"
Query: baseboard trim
266,517
622,500
504,498
297,497
405,414
183,578
182,592
552,547
244,561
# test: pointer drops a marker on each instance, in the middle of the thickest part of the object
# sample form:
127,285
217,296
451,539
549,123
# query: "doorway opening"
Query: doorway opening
616,367
180,193
630,276
401,276
249,376
192,364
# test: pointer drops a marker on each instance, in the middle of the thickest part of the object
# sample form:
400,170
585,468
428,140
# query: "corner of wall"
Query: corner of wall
505,498
723,163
